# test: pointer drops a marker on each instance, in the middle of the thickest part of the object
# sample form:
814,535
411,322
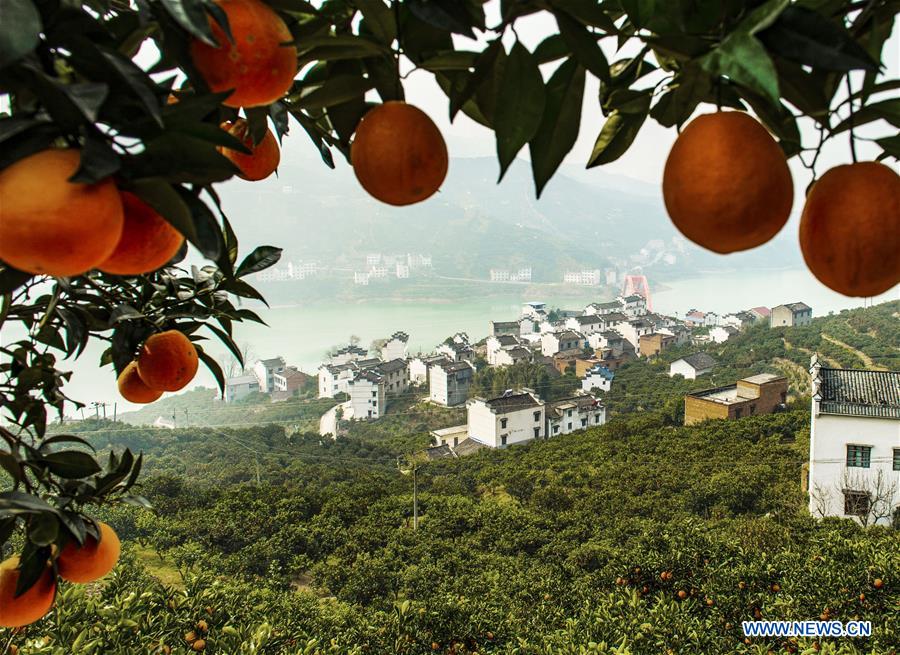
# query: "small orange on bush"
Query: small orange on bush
259,65
91,561
850,229
132,387
726,183
878,583
167,361
682,594
148,240
398,154
199,645
264,157
51,226
30,606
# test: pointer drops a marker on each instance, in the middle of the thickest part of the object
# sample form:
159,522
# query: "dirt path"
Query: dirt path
863,356
797,376
830,362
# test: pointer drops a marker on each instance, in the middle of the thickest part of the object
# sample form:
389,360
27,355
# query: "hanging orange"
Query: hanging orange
132,387
850,229
264,157
148,240
398,154
91,561
167,361
30,606
726,184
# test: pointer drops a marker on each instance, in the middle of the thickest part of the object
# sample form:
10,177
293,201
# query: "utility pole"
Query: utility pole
115,411
412,468
174,420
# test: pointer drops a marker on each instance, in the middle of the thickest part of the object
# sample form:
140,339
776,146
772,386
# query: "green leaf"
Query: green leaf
65,438
589,12
454,60
191,15
806,37
779,120
888,110
11,279
520,105
20,29
379,19
43,529
583,45
168,203
484,68
800,89
763,16
213,367
19,502
559,124
551,49
450,15
72,464
339,89
688,90
890,145
744,60
616,136
98,160
260,259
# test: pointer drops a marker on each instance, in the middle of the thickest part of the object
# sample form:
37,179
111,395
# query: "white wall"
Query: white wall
567,424
484,425
363,403
828,470
437,385
596,381
681,367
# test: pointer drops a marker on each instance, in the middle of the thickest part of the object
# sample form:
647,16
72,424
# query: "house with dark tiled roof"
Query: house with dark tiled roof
395,374
854,445
449,383
586,324
610,307
562,341
692,366
395,346
572,414
791,314
512,355
514,417
367,395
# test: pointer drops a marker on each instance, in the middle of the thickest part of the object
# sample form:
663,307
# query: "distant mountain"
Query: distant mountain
473,224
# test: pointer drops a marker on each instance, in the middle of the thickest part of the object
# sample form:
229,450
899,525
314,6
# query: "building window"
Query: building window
555,429
583,422
503,422
856,503
503,440
752,409
859,456
374,394
783,397
537,433
737,412
897,459
537,416
569,425
597,418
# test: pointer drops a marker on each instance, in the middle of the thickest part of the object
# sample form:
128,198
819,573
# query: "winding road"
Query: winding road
328,422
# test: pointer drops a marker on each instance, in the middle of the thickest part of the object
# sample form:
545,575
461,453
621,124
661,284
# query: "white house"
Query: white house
557,342
515,417
633,305
535,310
335,378
496,343
395,347
609,339
367,395
587,324
240,387
722,333
265,370
633,330
512,355
456,351
573,414
449,383
395,375
613,306
854,445
597,377
795,313
692,366
419,366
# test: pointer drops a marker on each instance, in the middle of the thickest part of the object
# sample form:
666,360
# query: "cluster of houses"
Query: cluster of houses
271,376
381,267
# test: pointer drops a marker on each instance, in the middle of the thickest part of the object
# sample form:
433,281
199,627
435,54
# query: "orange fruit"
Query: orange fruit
91,561
398,154
850,229
258,67
199,645
148,240
167,361
30,606
51,226
132,387
726,183
263,158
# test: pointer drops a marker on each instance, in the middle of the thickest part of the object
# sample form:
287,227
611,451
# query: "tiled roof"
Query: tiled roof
513,402
860,393
615,317
505,325
589,319
274,361
400,336
438,452
468,447
506,339
568,335
633,298
392,366
612,304
699,361
581,402
454,367
242,379
798,306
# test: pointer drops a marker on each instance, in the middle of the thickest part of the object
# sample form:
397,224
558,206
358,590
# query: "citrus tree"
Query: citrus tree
121,117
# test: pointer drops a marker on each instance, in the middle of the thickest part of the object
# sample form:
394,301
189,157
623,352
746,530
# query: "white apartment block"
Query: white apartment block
557,342
854,446
265,369
515,417
367,396
574,414
449,383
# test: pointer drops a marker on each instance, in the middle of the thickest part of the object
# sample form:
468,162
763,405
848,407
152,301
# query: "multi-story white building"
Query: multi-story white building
557,342
585,278
395,347
420,365
633,330
535,310
586,324
597,377
367,395
495,343
512,355
265,370
456,351
401,271
613,306
633,305
449,383
854,445
499,275
335,378
394,375
792,314
240,387
361,278
515,417
609,340
573,414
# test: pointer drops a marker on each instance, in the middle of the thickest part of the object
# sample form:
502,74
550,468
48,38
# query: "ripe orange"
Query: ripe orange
91,561
263,158
726,183
132,387
850,229
257,66
51,226
30,606
148,240
167,361
682,594
878,583
199,645
398,154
